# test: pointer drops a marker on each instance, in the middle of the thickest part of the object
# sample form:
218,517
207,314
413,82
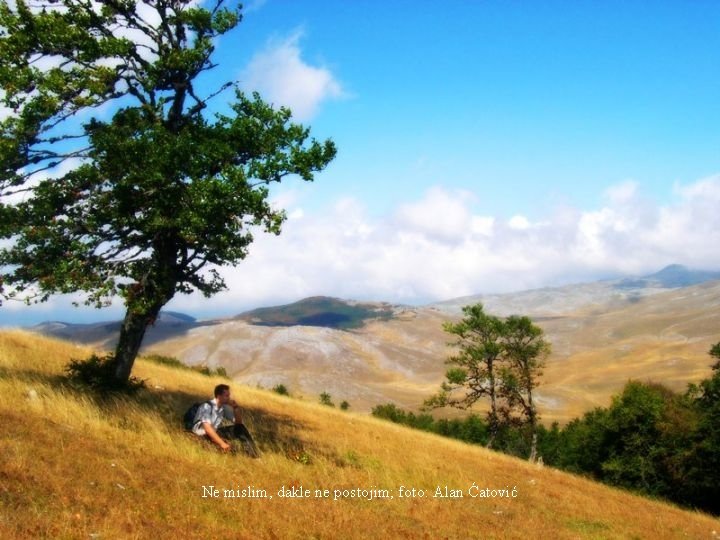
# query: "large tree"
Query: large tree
151,201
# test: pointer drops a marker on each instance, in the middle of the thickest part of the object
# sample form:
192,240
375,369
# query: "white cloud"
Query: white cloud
519,223
438,215
482,225
436,248
283,78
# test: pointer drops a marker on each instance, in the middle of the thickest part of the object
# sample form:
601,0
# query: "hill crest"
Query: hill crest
321,311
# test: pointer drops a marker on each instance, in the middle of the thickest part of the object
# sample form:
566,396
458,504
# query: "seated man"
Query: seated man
210,416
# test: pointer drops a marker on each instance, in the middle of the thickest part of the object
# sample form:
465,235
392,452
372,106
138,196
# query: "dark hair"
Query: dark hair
220,389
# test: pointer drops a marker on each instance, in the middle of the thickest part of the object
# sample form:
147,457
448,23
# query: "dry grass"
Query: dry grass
74,466
597,348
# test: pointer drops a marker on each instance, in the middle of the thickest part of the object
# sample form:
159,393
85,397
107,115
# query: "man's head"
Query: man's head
222,394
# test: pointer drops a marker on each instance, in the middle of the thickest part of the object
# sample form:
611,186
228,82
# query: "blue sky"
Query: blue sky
523,103
483,147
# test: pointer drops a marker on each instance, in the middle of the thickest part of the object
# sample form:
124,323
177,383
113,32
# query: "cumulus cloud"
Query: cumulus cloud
436,248
281,75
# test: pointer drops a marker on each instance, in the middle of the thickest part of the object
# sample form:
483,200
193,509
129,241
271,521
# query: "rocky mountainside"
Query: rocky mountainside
606,294
602,334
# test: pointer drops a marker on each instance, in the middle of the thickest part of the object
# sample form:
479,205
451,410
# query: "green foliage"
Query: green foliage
701,466
171,361
165,361
96,373
495,359
164,191
281,389
715,353
319,311
471,429
344,405
651,440
326,399
210,372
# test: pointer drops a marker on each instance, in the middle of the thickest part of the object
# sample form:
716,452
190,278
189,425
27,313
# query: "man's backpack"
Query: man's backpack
189,416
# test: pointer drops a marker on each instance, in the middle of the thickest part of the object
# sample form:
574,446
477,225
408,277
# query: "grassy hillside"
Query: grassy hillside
74,466
318,311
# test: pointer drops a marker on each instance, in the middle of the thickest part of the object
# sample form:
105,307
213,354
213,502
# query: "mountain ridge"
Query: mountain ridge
600,336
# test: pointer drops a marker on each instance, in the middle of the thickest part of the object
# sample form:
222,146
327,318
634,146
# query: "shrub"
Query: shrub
97,373
281,389
165,360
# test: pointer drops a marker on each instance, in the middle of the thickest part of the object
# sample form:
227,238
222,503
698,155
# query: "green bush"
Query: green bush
174,362
281,389
165,360
97,373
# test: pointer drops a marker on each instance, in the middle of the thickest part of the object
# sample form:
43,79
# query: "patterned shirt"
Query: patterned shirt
212,413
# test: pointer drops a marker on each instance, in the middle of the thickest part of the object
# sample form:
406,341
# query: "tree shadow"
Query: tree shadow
30,376
272,432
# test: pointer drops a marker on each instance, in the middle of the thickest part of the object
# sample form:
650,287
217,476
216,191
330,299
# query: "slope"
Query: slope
77,466
597,347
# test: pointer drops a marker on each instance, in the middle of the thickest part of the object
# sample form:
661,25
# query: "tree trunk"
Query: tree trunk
533,447
144,302
132,333
532,416
493,416
491,440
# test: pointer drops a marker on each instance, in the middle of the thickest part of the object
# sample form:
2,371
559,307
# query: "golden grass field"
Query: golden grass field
73,466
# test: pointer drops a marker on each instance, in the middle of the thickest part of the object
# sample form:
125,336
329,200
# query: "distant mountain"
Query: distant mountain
602,334
554,301
677,275
319,311
105,333
602,339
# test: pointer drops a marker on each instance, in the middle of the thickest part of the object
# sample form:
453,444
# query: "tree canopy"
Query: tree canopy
498,359
151,201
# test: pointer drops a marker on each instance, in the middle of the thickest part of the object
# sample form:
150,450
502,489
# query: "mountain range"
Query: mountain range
656,327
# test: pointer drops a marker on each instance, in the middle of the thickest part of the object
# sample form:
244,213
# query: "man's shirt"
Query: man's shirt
212,413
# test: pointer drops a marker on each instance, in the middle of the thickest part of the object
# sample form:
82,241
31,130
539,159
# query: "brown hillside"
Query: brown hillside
72,466
596,348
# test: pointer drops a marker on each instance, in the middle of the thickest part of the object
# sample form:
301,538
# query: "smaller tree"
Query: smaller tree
525,351
498,359
473,374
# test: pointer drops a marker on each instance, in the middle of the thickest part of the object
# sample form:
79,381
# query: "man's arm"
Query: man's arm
236,411
214,437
